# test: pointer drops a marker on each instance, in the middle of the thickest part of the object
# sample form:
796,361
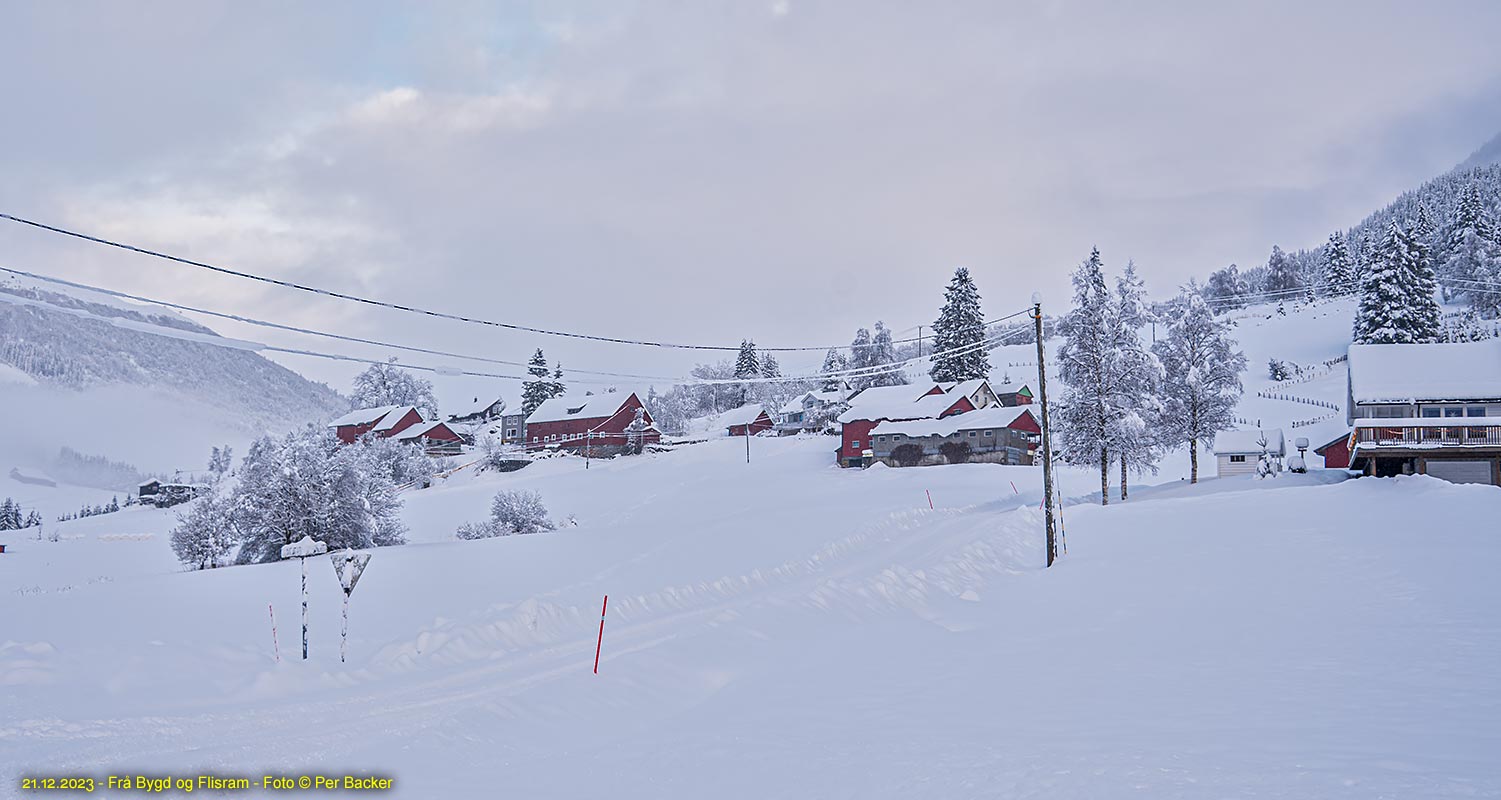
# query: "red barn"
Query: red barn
1336,453
891,403
435,437
599,422
385,421
747,420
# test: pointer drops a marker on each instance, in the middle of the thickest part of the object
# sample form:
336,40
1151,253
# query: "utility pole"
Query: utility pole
747,443
919,341
1047,443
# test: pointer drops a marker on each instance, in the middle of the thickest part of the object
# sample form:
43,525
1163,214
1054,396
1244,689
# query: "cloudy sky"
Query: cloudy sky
784,170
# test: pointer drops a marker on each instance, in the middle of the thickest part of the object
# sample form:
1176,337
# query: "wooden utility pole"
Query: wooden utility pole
1047,444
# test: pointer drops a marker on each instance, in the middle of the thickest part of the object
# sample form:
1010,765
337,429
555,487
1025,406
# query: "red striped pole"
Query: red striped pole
276,648
930,499
601,639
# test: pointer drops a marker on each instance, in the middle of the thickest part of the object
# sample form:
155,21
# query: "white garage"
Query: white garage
1457,471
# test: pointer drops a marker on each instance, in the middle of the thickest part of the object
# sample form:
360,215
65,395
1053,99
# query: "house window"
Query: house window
1430,413
1475,411
855,444
1237,459
973,434
880,438
990,433
1454,412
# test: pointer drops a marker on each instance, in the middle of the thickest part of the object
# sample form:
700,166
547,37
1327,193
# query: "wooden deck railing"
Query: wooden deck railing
1431,432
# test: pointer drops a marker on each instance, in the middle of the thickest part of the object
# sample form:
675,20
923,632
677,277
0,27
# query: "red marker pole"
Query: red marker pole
930,499
276,648
601,640
1014,489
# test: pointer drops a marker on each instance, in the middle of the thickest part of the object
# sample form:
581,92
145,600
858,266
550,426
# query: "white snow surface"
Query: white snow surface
830,637
1405,373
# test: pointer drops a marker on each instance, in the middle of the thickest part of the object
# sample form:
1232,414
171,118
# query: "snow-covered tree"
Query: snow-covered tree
1338,267
1225,287
1202,378
833,362
1281,273
1397,304
390,385
1264,466
748,362
206,535
306,484
1133,434
542,386
875,353
220,460
1088,415
960,326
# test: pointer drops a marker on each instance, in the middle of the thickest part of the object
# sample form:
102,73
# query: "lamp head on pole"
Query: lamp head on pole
1037,298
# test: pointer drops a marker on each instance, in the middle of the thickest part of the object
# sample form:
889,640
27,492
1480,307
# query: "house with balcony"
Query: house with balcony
996,435
1427,409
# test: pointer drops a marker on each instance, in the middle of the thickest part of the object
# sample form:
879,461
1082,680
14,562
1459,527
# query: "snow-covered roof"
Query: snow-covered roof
365,416
419,430
993,417
912,404
1409,373
966,388
394,416
478,405
743,415
1010,387
796,404
592,406
1243,443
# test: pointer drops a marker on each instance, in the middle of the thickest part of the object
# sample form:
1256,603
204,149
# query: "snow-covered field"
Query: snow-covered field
787,629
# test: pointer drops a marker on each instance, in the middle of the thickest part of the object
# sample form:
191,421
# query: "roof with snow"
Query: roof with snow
594,406
383,418
422,429
1248,443
966,388
796,404
993,417
743,415
898,402
1410,373
480,405
1011,387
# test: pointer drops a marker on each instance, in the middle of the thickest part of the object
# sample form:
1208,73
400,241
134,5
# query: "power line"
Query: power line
406,308
247,345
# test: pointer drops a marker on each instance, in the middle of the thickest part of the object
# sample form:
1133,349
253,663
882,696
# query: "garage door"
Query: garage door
1461,471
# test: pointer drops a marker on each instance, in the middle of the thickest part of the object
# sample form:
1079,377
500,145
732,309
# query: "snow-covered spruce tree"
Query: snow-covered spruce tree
1469,215
1338,268
205,536
1088,415
833,362
1397,305
306,484
390,385
747,367
1133,435
1264,466
1202,378
960,324
1281,273
556,387
539,388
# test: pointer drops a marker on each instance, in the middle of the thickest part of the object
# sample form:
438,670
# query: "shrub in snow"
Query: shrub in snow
205,536
403,463
907,455
955,452
512,512
1277,370
1264,466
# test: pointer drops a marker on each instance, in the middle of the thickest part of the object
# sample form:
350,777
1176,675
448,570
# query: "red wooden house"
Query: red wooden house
891,403
599,422
1336,453
435,437
747,420
384,421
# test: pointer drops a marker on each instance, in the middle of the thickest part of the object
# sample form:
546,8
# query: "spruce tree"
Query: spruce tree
1397,305
960,325
1201,385
1338,268
1281,273
747,366
882,353
555,387
834,362
538,390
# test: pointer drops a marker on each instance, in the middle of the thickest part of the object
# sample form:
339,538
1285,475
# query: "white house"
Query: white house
1237,452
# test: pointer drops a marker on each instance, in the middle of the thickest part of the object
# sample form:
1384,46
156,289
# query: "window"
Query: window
973,434
1430,413
880,438
990,433
1237,459
1454,412
855,444
1475,411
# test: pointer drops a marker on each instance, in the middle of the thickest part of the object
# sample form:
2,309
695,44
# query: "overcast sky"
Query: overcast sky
785,170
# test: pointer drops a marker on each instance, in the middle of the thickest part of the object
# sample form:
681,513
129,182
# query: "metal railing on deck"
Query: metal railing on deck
1408,433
